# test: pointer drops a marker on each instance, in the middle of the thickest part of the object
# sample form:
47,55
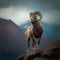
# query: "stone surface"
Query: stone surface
52,52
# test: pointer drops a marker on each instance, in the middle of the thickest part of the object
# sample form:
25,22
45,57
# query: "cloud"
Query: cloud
52,17
8,3
21,15
16,14
18,10
48,4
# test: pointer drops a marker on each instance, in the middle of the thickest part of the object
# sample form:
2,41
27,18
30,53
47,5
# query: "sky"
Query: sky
18,10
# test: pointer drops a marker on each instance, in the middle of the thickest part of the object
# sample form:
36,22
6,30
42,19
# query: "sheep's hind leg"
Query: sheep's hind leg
34,44
39,43
28,44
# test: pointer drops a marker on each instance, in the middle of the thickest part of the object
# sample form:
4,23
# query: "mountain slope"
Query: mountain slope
12,40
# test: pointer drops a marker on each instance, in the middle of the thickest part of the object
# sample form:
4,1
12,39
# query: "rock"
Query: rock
21,58
31,55
52,52
51,46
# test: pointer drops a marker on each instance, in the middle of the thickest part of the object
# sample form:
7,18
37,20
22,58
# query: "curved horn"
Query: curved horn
39,13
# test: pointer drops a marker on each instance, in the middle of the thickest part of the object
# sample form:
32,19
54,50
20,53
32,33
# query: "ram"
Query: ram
34,31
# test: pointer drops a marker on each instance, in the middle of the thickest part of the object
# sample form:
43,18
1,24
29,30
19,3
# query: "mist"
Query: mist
16,14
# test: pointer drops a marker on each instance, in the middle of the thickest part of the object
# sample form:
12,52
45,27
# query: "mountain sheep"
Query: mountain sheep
34,31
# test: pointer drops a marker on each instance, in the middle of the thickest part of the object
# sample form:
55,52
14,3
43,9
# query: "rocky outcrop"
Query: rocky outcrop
52,52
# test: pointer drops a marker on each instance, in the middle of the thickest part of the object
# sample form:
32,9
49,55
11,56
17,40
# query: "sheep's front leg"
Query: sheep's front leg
28,44
34,44
39,43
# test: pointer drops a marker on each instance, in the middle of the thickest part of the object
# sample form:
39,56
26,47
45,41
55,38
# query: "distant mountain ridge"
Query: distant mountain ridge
50,30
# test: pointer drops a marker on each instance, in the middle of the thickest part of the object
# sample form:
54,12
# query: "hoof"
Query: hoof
38,48
27,51
34,49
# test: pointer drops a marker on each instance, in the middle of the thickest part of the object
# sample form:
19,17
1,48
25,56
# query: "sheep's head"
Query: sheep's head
34,16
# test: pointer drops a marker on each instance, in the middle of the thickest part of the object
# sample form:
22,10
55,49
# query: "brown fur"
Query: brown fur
34,31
